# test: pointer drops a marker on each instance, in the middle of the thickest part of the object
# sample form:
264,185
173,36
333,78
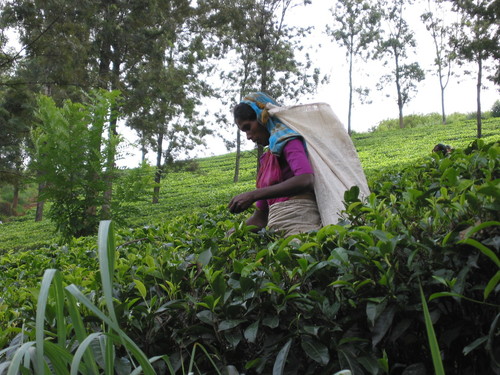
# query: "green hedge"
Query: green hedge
347,296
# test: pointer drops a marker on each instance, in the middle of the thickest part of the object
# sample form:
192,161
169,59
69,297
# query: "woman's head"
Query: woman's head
243,111
246,119
276,133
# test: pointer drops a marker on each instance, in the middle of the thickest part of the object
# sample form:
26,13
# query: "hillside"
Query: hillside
209,181
416,263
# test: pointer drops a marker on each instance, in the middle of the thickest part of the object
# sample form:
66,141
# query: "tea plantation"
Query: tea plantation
407,283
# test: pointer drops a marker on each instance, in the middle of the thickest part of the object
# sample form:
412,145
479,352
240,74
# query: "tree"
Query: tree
440,33
264,52
15,119
396,41
71,144
477,40
166,87
81,44
355,26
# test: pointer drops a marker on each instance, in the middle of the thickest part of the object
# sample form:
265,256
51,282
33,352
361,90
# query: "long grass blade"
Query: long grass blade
209,357
59,357
165,358
127,342
478,245
41,305
80,352
81,334
106,250
15,364
491,284
481,226
105,240
109,355
60,318
491,340
431,335
4,366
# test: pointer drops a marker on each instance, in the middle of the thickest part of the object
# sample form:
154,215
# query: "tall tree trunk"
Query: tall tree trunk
39,204
263,88
479,82
159,152
400,99
144,150
238,157
442,105
15,199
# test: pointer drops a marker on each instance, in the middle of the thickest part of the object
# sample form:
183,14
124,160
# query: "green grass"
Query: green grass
212,183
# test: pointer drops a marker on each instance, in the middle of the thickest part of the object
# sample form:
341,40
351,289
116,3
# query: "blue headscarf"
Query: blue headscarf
280,133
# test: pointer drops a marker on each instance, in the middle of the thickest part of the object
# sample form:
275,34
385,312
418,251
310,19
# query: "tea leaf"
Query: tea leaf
280,362
251,331
141,288
316,350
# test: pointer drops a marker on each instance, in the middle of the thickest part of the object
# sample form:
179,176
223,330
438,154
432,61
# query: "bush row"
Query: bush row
347,296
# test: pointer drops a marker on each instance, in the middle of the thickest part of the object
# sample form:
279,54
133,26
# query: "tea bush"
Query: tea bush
346,296
212,184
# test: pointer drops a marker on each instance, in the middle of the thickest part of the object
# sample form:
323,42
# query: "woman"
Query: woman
285,184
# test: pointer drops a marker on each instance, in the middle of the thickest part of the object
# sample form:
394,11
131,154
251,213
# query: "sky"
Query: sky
460,94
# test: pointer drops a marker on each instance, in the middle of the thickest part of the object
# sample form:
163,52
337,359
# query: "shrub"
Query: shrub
410,121
347,296
456,117
72,144
495,109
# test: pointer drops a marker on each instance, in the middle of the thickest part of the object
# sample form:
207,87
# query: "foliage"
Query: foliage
347,296
212,184
166,87
16,115
266,55
396,41
477,41
440,32
410,121
95,352
355,26
495,109
71,146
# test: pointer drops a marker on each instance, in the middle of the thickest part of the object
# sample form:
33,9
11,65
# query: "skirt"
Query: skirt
294,216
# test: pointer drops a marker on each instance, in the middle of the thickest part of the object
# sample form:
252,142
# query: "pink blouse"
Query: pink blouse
292,162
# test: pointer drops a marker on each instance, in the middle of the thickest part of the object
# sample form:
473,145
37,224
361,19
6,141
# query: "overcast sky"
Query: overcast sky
460,95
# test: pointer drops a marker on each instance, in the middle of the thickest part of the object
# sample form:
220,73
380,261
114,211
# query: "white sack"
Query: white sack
332,154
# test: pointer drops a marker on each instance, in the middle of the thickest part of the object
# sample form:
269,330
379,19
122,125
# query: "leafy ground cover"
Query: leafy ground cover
347,296
210,182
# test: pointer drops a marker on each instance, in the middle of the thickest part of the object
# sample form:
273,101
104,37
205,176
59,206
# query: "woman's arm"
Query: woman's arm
293,186
259,219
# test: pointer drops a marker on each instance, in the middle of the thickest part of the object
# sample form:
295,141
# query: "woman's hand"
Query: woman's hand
295,185
258,220
241,202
